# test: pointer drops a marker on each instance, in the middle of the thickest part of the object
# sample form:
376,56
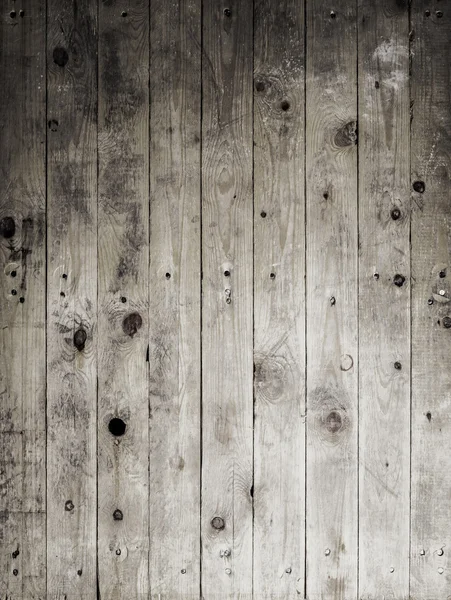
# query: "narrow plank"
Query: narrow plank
279,300
71,299
384,300
174,348
431,272
227,216
123,238
22,289
331,217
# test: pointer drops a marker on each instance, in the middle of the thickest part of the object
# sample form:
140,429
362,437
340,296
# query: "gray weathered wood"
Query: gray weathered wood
279,300
384,300
71,299
123,266
22,290
431,273
331,218
227,403
175,284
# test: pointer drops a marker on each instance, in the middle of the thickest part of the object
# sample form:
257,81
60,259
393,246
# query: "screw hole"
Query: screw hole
227,12
124,13
263,214
333,14
398,366
123,299
427,13
64,276
168,276
227,273
21,299
14,292
21,13
272,275
13,273
438,14
12,14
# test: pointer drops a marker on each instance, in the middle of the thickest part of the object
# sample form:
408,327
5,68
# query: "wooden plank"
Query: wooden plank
227,215
384,300
279,300
431,273
174,349
22,317
123,238
331,217
71,299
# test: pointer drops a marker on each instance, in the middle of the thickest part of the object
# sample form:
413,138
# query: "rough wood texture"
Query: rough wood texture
175,285
431,294
279,300
22,315
223,366
123,276
331,245
384,306
227,405
71,300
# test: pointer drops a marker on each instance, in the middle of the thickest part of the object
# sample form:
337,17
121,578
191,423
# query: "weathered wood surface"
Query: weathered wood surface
331,263
22,314
431,295
123,281
71,299
384,300
227,333
224,338
279,300
175,287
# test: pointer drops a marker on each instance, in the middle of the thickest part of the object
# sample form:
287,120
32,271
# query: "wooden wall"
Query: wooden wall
225,236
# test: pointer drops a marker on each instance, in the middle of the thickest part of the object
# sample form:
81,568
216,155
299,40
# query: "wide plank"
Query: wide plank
331,289
279,299
123,301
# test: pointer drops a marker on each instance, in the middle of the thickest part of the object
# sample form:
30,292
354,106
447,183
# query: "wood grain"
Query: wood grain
22,317
175,285
384,300
227,215
431,272
71,299
331,243
123,266
279,300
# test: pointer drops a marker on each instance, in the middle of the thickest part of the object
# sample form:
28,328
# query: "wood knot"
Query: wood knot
346,135
60,56
447,322
419,186
270,377
117,427
218,523
333,422
7,227
132,323
329,410
80,339
117,515
399,280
